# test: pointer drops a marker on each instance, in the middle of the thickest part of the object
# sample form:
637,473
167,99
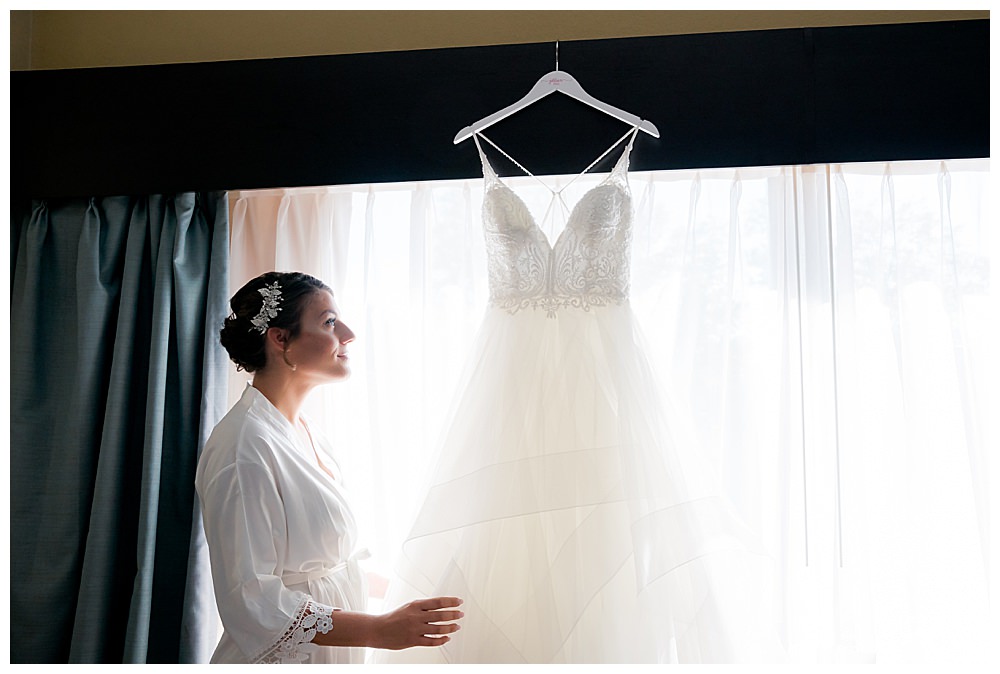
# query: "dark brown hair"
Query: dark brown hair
241,338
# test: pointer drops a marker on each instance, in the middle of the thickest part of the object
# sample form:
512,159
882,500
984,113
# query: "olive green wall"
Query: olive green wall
74,39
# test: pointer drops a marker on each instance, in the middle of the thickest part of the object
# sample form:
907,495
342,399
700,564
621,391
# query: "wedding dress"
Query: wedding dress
564,508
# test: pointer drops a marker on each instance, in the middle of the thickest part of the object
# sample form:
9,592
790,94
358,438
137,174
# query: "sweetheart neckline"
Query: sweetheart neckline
625,188
572,212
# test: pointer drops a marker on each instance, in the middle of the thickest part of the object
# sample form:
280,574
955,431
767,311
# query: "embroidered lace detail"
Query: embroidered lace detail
295,644
587,266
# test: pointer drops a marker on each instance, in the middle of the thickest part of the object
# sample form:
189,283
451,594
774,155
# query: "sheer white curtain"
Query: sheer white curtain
831,330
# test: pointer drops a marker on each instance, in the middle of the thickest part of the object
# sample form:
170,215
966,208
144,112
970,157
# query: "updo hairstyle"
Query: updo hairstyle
243,341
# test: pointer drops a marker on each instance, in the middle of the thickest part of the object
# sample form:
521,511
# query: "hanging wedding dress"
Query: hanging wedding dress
564,508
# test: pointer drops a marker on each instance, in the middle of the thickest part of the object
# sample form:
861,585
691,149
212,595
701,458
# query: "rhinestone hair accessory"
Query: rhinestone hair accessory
269,309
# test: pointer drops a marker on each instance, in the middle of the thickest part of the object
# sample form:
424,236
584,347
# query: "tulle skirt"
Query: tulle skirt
573,517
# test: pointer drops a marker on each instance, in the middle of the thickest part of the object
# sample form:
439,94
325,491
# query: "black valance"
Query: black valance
792,96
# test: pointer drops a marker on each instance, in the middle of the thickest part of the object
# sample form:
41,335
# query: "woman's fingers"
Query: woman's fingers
422,622
440,616
441,629
444,616
435,603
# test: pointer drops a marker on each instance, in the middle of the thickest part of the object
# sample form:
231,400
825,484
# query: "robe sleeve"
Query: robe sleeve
246,531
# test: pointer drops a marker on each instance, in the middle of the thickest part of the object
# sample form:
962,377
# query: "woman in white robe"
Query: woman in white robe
282,538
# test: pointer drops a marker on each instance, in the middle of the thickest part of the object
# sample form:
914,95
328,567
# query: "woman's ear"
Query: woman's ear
279,337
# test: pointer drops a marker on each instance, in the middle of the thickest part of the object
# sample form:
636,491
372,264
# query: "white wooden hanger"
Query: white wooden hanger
557,80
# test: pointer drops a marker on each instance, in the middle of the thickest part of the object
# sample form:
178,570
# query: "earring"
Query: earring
284,356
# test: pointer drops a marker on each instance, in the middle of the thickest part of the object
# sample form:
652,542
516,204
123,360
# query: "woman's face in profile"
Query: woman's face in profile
320,348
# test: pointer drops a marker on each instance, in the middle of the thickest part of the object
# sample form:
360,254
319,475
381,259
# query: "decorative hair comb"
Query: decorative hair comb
269,309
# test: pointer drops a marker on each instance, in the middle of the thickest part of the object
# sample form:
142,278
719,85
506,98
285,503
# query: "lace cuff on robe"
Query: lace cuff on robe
295,645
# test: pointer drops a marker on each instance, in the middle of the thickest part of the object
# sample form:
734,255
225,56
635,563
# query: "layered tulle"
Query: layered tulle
573,515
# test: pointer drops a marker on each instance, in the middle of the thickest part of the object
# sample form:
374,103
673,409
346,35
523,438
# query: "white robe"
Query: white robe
281,536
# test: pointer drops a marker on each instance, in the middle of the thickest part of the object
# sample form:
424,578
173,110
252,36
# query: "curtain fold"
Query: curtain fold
828,332
116,374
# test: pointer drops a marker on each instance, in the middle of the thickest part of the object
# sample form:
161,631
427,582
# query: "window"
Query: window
828,330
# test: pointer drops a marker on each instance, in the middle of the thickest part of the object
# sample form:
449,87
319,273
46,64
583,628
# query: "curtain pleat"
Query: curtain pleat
978,468
115,309
199,617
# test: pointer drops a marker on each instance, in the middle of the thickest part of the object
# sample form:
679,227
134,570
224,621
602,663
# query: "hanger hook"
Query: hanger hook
557,54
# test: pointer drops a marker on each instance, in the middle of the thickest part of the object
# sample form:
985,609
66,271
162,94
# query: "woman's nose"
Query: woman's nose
344,333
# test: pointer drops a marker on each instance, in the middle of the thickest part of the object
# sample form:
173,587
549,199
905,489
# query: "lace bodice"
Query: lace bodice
587,266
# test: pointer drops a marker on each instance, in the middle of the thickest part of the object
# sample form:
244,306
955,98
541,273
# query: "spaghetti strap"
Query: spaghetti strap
622,161
622,164
488,171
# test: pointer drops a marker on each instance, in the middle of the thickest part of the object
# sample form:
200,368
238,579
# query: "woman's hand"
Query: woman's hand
424,622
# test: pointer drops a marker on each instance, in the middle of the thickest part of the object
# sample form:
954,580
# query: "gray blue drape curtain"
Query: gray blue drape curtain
117,378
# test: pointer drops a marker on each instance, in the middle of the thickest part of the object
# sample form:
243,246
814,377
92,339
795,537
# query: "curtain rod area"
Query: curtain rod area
754,98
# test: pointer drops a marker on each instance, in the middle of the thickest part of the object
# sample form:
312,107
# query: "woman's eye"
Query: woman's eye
331,322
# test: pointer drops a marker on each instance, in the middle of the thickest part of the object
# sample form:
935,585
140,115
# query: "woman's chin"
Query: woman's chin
341,373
